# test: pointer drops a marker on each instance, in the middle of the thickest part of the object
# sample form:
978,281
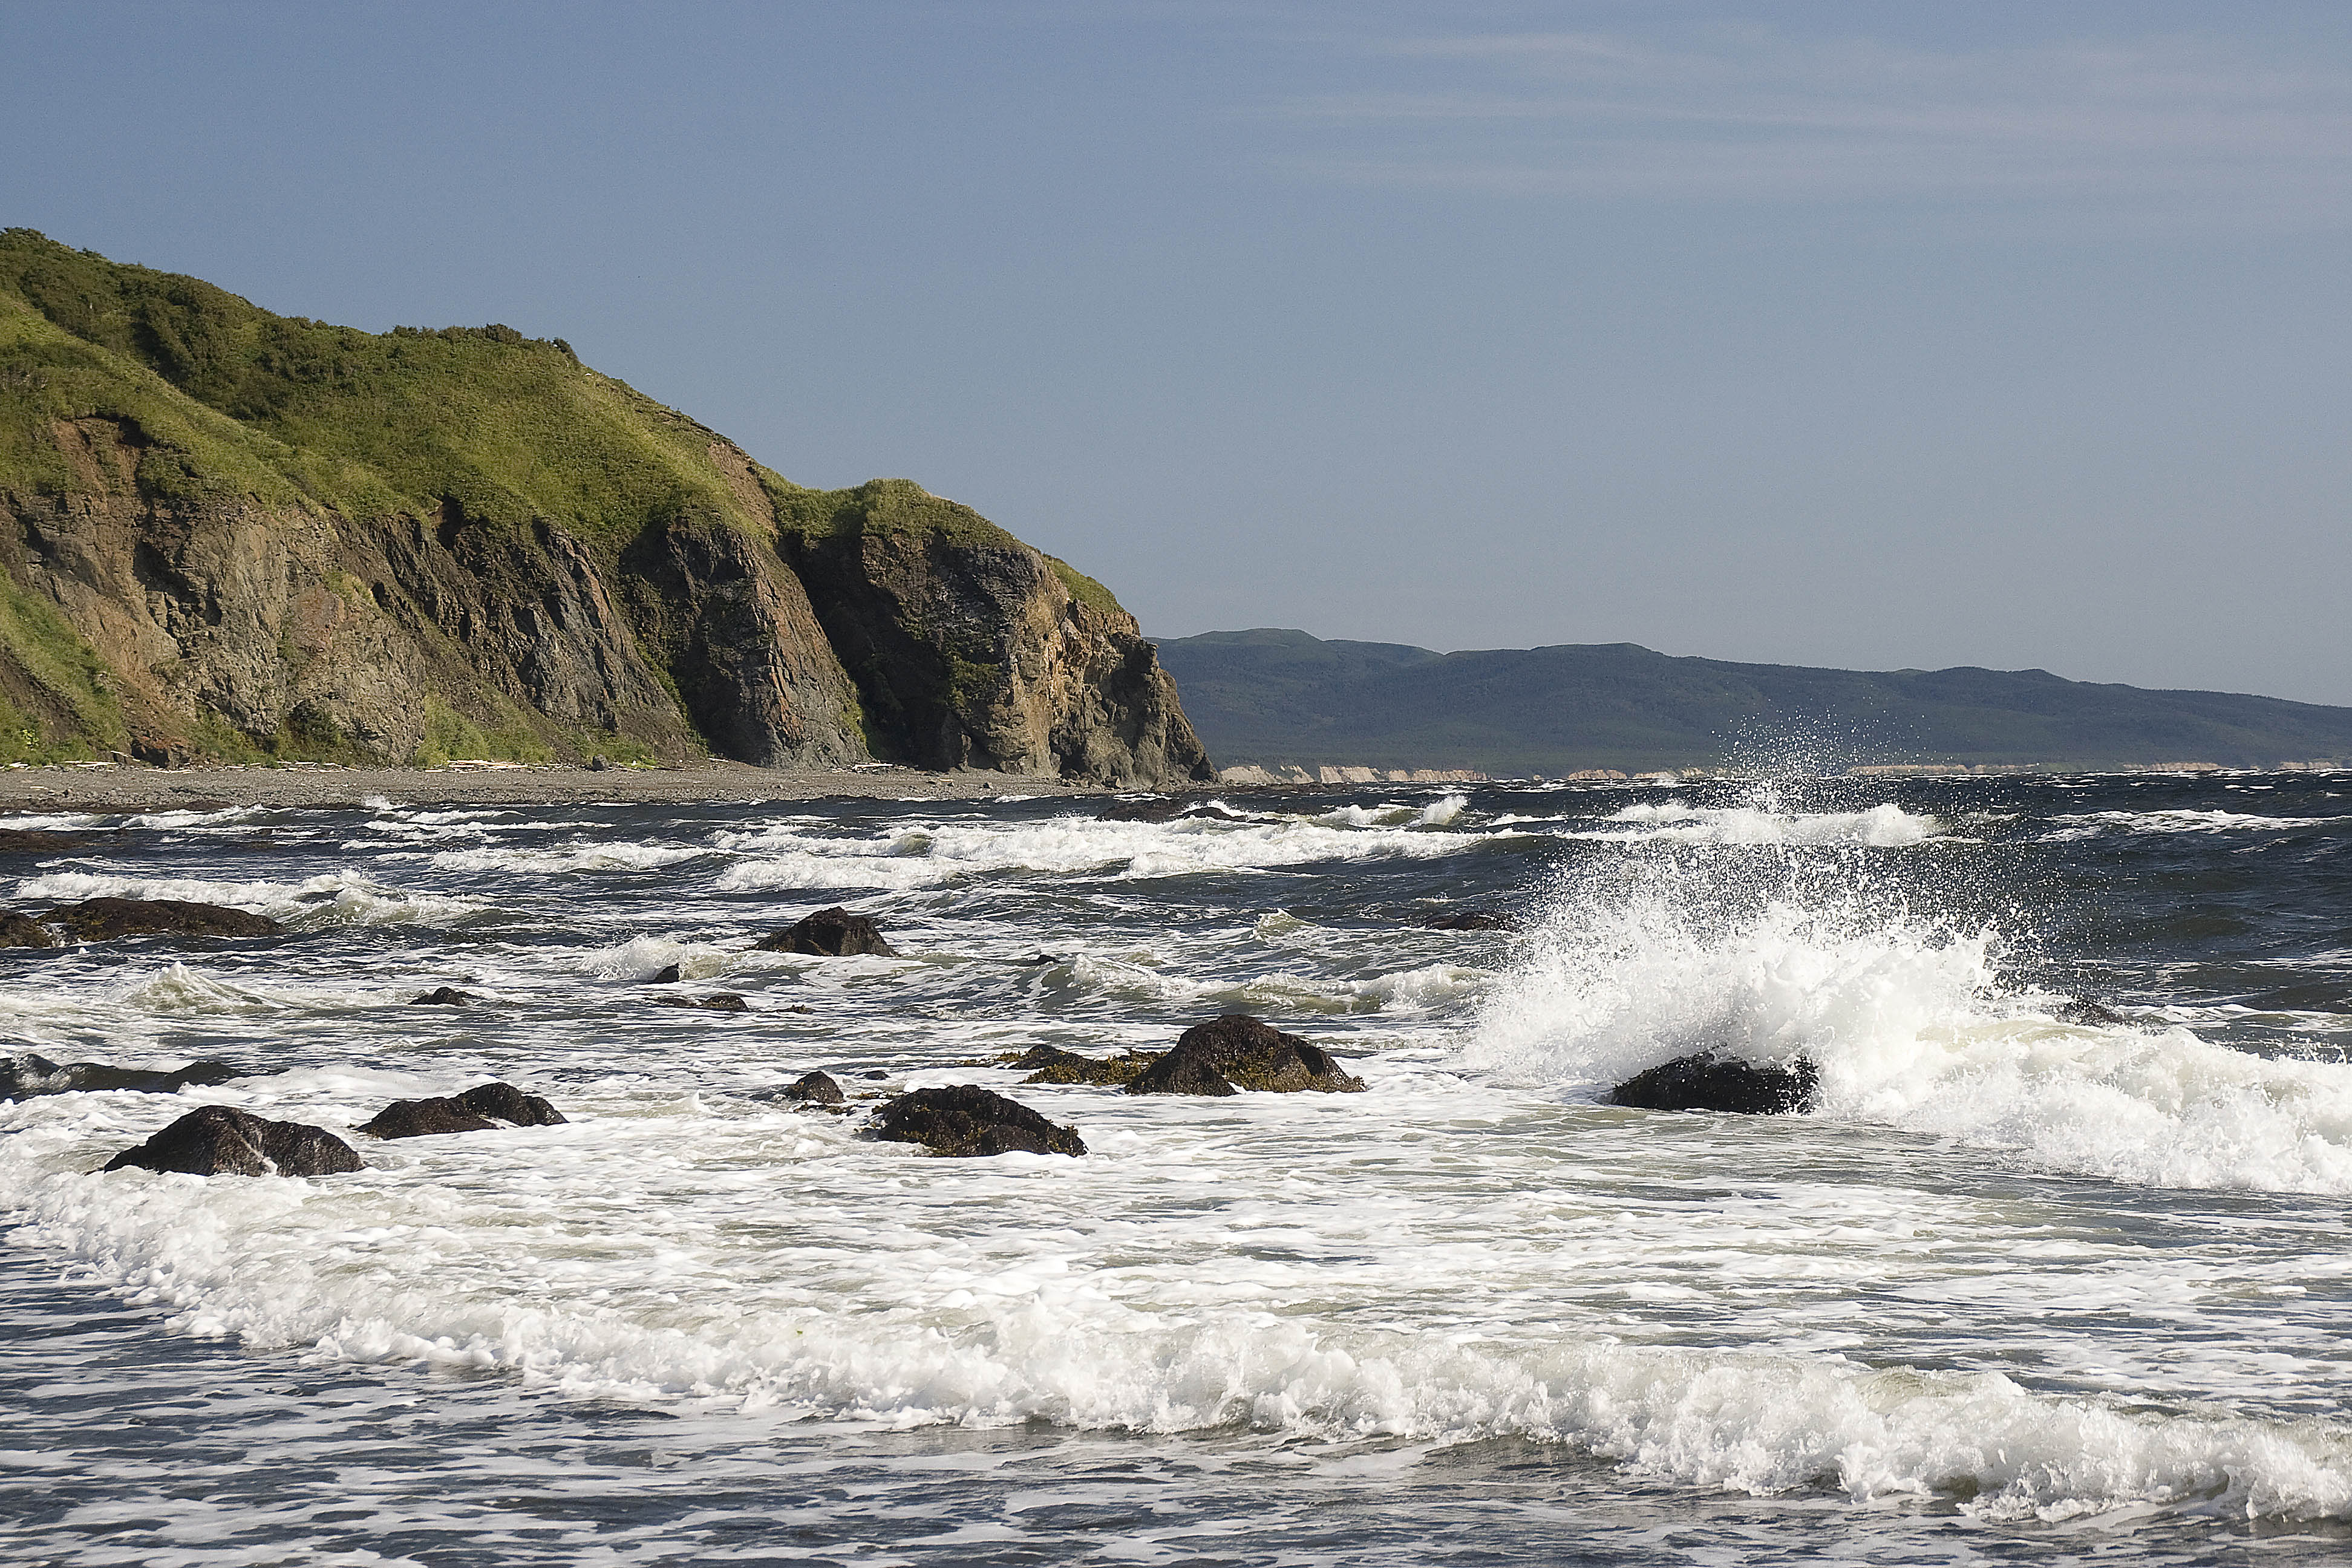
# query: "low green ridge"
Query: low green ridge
1276,696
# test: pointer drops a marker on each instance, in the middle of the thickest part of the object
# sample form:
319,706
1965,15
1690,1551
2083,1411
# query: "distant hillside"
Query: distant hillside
1274,697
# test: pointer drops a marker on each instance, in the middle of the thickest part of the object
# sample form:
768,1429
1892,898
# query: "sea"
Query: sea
2056,1268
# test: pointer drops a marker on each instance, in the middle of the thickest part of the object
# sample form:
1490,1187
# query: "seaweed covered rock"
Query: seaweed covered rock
829,933
1711,1081
485,1108
1051,1064
966,1119
26,1076
23,930
34,841
1238,1050
217,1140
98,919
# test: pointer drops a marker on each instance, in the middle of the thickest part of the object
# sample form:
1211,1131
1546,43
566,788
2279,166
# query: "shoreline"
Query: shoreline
110,786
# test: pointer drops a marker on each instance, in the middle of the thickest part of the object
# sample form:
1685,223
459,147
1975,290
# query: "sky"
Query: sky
1876,336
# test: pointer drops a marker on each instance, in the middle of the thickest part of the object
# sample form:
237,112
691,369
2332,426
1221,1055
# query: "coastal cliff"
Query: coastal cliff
232,535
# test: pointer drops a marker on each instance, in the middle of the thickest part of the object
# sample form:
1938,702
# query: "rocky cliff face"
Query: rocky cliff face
226,534
974,651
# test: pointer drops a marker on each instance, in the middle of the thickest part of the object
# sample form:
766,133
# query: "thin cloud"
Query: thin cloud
1754,116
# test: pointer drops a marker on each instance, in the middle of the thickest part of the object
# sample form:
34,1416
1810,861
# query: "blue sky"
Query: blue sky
1873,335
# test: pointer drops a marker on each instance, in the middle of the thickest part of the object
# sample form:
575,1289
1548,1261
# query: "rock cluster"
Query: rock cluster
26,1076
482,1109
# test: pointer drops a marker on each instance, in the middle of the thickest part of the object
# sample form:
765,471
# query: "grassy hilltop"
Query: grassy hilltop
426,488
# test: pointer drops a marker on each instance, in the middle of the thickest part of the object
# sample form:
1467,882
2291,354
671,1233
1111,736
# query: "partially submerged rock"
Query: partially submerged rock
97,919
811,1089
33,841
1470,920
966,1119
23,930
1238,1050
1051,1064
719,1002
444,996
1711,1081
219,1141
1162,808
482,1109
829,933
26,1076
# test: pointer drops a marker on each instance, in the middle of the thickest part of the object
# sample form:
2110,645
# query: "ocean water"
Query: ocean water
2031,1282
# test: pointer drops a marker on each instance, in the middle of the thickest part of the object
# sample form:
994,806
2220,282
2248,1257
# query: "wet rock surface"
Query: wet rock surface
26,1076
811,1089
829,933
485,1108
965,1120
1051,1064
101,920
1711,1081
23,930
217,1140
444,996
34,841
1240,1051
719,1002
1470,920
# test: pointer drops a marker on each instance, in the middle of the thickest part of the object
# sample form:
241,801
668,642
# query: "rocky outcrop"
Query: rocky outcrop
972,650
1711,1081
1051,1064
482,1109
443,996
811,1089
1239,1051
226,534
965,1120
26,1076
829,933
23,930
219,1141
101,920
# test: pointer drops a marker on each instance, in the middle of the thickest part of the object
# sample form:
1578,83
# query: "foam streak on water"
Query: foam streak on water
2023,1265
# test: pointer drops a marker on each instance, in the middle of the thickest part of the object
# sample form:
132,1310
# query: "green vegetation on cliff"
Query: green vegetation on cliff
234,534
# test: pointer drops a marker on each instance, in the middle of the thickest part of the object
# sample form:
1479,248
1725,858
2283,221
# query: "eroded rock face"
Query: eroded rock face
972,650
482,1109
965,1120
26,1076
829,933
1238,1050
1711,1081
99,919
219,1141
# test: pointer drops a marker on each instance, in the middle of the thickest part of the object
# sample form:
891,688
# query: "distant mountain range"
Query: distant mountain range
1271,697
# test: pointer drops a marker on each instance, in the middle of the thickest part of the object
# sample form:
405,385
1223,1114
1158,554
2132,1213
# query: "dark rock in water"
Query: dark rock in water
876,1076
99,919
444,996
2091,1014
23,930
669,976
1162,809
811,1089
1470,920
219,1141
26,1076
32,841
1040,958
1239,1050
482,1109
508,1103
965,1118
1712,1081
717,1001
1051,1064
829,933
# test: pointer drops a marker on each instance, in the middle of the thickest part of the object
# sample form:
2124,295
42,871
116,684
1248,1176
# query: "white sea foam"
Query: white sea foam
336,898
1909,1029
926,854
640,1289
2091,824
1678,822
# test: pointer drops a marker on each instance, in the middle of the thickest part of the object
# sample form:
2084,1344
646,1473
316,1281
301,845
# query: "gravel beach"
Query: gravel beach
112,787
